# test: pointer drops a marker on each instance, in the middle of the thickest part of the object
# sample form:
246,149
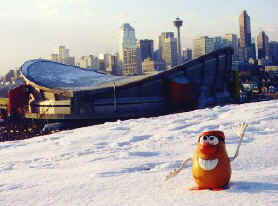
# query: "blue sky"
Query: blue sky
33,28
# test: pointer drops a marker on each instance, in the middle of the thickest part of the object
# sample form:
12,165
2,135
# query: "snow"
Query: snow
125,162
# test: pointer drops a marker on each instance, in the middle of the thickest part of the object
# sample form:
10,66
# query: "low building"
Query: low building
148,66
272,70
250,86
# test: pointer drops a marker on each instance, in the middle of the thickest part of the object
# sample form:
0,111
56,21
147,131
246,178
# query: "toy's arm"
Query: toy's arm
175,172
240,132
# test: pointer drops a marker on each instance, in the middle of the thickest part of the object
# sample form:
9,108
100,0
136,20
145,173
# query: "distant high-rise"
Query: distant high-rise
245,30
178,23
146,48
202,46
231,40
245,42
263,46
132,61
112,65
168,49
218,42
61,54
162,37
129,61
273,52
89,62
187,54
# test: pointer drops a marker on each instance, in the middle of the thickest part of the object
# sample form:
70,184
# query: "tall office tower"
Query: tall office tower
168,49
112,65
61,54
202,46
187,54
245,43
89,62
161,39
263,46
146,48
178,23
253,49
273,52
106,59
158,60
129,55
102,67
131,61
231,40
218,42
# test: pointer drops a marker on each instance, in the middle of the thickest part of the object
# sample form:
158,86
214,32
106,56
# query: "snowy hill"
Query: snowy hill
125,162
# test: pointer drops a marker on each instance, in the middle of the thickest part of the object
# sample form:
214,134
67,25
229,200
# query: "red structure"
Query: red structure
17,100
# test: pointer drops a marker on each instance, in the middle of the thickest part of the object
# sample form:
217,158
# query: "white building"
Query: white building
131,64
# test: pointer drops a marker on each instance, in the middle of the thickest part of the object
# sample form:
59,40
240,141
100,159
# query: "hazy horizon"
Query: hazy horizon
33,28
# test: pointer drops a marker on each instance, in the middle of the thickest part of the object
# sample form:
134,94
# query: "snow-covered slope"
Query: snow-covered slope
125,162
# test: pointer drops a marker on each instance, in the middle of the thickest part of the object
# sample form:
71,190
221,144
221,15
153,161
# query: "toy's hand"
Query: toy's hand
172,174
240,132
241,129
175,172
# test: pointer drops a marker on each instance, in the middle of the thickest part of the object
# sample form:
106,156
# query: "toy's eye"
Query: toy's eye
213,140
203,139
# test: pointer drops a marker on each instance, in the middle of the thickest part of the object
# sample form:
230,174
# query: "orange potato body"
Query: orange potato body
217,177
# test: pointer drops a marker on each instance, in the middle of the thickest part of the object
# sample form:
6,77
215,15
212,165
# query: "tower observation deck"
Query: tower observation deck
178,23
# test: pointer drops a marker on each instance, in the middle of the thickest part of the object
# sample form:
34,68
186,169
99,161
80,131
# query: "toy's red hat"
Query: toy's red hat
214,133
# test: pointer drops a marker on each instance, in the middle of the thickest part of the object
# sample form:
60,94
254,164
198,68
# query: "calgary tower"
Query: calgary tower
178,23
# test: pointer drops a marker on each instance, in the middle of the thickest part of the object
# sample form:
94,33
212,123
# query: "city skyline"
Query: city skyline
32,28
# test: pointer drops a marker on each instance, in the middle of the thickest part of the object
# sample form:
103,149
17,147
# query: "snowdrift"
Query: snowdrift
125,162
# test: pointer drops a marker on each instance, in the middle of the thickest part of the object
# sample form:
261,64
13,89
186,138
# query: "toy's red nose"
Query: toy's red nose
208,149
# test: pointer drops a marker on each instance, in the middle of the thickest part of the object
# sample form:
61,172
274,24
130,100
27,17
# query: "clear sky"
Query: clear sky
33,28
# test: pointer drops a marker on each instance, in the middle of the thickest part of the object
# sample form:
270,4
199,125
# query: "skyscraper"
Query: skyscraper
232,41
273,52
245,30
61,54
263,46
218,42
129,55
245,42
187,54
112,65
202,46
146,48
162,37
178,23
89,62
168,49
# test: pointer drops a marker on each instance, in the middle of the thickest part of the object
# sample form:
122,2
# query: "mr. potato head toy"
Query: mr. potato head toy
211,166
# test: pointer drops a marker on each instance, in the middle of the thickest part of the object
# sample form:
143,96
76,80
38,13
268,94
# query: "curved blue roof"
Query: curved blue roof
55,75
